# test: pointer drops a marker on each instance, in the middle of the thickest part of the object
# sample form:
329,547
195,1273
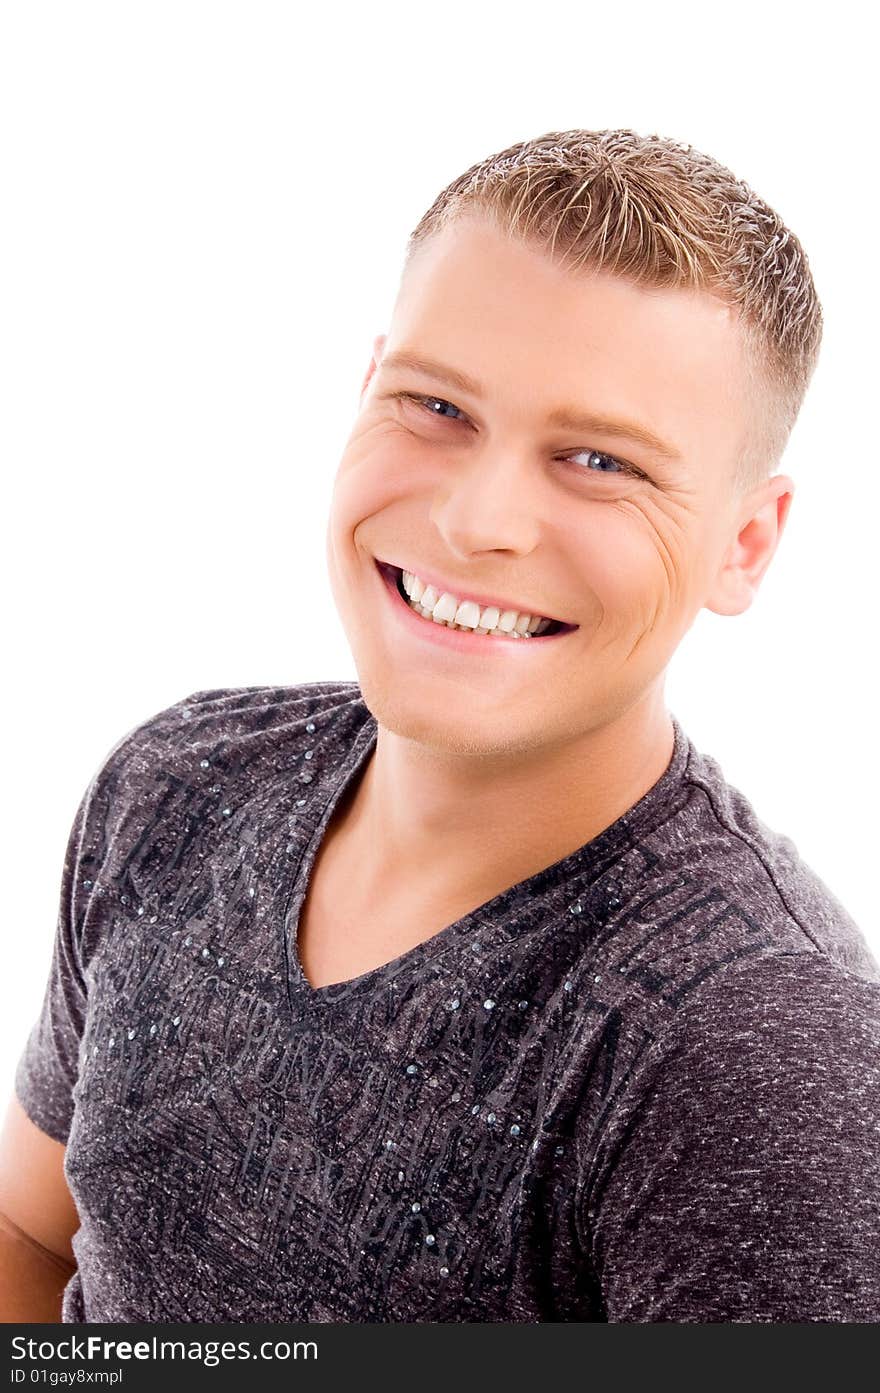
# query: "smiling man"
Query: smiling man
472,991
577,490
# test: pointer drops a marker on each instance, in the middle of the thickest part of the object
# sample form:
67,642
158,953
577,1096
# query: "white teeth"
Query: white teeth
468,614
447,609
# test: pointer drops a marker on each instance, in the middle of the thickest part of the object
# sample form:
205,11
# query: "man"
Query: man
472,991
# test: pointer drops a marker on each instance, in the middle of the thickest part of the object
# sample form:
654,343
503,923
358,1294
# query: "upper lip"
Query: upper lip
464,591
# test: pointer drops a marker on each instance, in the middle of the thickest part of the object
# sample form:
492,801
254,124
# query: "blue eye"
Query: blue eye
599,455
430,405
421,401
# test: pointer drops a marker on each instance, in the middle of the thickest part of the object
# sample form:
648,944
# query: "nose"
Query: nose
489,503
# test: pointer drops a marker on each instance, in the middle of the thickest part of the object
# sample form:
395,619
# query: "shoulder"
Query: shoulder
738,1176
777,1046
241,722
154,806
759,872
803,1013
232,709
775,1057
773,1046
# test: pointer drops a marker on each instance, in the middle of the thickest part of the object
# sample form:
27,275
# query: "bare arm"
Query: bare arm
38,1219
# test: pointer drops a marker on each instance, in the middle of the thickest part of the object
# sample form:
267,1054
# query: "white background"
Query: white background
205,206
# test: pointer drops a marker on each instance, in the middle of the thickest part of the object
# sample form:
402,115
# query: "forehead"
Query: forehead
538,336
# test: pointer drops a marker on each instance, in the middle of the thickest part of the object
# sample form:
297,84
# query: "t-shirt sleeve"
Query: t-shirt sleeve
740,1179
48,1067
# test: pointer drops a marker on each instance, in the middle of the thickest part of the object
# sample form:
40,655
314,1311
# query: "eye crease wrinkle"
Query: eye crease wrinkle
624,467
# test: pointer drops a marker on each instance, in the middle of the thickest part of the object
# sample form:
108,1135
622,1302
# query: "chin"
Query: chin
450,728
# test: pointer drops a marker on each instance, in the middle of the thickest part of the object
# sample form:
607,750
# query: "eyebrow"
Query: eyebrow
564,417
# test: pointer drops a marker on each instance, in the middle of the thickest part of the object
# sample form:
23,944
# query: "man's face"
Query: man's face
481,493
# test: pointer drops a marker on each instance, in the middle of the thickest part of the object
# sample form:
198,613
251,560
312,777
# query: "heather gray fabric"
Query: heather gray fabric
641,1085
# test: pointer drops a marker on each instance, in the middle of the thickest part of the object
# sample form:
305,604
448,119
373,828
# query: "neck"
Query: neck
427,818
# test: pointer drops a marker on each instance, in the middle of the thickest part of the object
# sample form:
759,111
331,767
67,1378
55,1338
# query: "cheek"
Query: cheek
380,467
636,563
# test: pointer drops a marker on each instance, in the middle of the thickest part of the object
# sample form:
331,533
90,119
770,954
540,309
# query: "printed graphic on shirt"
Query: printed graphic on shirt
451,1136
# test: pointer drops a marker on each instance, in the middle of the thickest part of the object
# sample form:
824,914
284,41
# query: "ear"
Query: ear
378,348
761,521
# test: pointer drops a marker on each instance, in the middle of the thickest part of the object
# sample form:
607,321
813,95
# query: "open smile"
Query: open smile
463,622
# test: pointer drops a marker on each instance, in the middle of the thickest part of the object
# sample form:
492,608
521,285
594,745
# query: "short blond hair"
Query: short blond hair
659,213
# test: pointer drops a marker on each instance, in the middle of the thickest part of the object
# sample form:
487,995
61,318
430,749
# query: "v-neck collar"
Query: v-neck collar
575,870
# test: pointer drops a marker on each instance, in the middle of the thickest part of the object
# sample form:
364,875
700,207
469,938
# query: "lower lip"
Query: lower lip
431,632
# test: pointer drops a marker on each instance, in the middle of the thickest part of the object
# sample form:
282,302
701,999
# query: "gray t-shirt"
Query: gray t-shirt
641,1085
